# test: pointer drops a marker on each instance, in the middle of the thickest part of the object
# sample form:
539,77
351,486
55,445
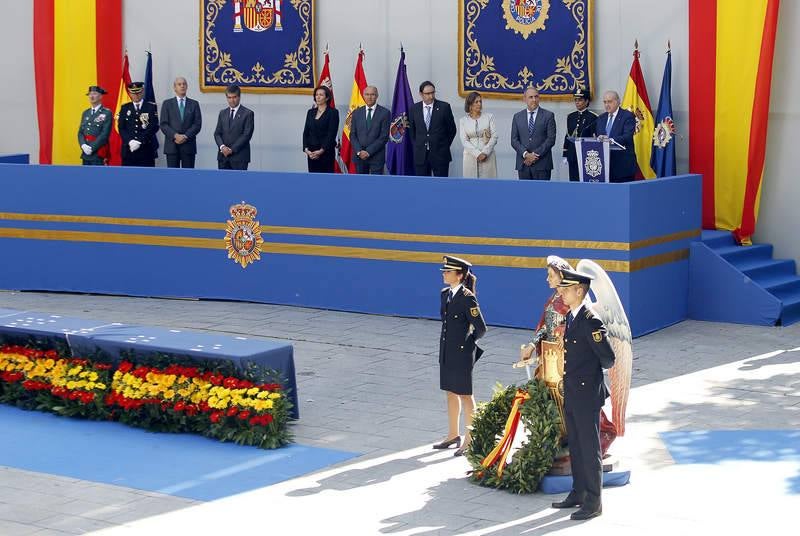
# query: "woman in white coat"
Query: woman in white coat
479,137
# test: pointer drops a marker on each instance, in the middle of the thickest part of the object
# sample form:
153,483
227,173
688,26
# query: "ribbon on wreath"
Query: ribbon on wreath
501,451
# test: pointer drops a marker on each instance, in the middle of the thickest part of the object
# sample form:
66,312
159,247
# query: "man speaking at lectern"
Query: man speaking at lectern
619,125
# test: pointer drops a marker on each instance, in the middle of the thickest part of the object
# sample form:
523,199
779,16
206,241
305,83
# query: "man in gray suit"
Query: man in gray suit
533,134
181,122
369,132
234,129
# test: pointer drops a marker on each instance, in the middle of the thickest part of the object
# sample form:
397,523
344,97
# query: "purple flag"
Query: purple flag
399,153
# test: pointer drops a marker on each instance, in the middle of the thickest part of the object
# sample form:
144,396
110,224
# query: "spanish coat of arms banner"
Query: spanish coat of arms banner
261,45
506,46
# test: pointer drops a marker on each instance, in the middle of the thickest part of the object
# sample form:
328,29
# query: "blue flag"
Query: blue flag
662,159
399,153
149,92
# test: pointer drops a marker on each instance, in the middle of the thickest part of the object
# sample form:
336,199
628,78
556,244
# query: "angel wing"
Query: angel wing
608,307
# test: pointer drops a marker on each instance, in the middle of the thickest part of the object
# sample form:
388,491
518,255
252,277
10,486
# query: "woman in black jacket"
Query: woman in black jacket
462,325
319,133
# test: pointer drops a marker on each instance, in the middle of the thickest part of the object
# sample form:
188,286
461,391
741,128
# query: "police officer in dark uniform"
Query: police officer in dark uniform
462,326
586,353
95,129
138,124
580,124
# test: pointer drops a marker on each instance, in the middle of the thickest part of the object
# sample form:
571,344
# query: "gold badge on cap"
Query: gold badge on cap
597,335
475,312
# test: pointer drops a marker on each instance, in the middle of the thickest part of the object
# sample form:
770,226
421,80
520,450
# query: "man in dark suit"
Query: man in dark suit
432,129
580,123
533,135
181,122
369,132
138,124
619,125
95,129
586,353
234,129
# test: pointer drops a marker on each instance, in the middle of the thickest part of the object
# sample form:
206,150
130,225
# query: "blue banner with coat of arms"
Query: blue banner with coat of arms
506,46
261,45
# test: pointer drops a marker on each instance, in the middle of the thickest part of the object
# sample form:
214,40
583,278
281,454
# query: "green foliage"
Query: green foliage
533,460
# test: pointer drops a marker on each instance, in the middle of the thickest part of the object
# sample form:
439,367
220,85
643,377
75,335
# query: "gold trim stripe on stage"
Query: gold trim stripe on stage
351,233
504,261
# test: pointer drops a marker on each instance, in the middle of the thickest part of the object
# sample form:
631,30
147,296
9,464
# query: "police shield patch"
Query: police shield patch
597,335
474,311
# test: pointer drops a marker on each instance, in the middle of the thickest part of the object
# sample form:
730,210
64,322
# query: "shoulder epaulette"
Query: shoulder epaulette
467,292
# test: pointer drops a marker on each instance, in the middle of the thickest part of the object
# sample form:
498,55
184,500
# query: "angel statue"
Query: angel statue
608,307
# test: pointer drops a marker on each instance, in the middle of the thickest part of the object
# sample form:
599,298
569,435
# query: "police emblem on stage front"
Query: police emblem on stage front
525,16
243,236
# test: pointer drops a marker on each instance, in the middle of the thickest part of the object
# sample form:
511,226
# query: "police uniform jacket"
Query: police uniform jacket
94,131
462,325
140,126
586,353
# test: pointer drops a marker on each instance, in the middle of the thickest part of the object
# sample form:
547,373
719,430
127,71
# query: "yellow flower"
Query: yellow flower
93,376
74,370
169,394
275,395
268,404
263,394
252,391
101,386
70,385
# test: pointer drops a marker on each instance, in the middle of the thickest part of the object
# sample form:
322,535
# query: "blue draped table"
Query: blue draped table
85,336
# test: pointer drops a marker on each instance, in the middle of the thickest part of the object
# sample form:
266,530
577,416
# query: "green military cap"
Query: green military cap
96,89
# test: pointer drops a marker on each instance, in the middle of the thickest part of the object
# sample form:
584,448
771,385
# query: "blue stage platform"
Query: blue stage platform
354,243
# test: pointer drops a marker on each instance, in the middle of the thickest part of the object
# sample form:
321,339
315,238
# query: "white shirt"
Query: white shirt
235,111
453,290
610,121
370,110
96,108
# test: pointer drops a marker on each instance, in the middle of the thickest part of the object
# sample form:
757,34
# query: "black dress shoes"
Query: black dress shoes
448,443
572,500
587,512
461,451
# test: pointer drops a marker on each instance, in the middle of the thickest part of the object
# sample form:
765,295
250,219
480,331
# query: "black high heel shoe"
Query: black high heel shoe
461,451
448,443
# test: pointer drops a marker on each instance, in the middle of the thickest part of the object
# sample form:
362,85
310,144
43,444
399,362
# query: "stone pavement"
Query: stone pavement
369,384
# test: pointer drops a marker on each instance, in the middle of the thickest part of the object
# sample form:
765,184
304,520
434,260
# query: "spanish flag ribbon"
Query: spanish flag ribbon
503,448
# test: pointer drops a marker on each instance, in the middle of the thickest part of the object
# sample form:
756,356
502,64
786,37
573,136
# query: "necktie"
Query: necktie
232,115
609,123
569,319
427,118
531,120
181,107
138,107
449,296
369,117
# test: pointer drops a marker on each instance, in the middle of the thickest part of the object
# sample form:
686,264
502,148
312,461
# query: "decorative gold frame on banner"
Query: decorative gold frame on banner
238,77
487,69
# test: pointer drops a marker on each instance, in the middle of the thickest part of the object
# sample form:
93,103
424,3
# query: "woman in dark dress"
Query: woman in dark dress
462,325
319,133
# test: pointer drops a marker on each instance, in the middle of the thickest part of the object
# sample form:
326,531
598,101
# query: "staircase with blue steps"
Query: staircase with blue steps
741,284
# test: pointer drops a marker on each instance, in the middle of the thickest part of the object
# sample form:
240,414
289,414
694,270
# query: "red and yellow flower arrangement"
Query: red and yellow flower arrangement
169,398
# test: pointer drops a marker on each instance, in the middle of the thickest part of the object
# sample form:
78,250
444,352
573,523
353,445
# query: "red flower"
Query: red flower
215,380
230,383
214,417
87,397
204,407
191,410
233,410
125,366
244,415
268,418
180,405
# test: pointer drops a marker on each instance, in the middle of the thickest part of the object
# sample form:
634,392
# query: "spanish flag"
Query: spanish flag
356,100
123,97
76,44
731,46
636,101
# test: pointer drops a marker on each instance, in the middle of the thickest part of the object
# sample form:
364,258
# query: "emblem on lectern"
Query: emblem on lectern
593,165
243,236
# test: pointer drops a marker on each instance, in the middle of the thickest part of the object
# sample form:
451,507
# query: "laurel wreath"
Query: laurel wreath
535,457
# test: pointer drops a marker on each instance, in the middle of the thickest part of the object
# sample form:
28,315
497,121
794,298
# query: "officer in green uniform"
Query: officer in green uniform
95,129
586,353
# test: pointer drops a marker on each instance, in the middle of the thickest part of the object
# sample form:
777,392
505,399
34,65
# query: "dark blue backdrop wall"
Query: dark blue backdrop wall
354,243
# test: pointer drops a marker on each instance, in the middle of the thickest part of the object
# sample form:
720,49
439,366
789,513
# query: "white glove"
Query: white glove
134,145
86,149
564,161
